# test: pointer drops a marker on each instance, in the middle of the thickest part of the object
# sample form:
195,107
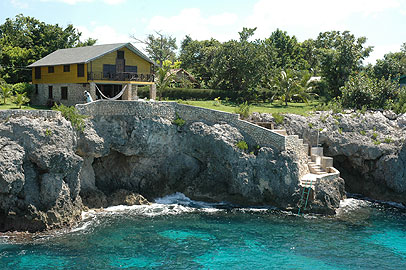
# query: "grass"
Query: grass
11,106
294,108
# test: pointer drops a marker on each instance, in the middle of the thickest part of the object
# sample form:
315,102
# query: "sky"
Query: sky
383,22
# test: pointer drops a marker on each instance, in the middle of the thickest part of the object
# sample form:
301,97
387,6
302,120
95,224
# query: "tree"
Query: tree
290,83
20,98
197,57
6,91
160,48
24,40
341,54
237,64
164,77
392,65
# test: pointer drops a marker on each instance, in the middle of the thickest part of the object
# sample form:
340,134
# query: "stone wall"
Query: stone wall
75,93
5,115
170,110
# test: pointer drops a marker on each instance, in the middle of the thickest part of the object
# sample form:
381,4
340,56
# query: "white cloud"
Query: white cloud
19,4
191,22
313,14
104,34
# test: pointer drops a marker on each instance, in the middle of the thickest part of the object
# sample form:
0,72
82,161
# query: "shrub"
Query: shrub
400,105
374,135
244,109
279,118
388,140
179,121
361,90
23,88
217,102
242,145
20,99
71,114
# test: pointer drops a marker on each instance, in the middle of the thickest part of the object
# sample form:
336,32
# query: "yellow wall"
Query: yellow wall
131,59
58,76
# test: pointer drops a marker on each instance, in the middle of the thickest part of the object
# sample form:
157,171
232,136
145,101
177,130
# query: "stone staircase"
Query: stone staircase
318,164
315,168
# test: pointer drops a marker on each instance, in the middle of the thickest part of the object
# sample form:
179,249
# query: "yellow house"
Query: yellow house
105,71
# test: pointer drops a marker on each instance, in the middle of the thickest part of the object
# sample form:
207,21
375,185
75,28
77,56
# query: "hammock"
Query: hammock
113,98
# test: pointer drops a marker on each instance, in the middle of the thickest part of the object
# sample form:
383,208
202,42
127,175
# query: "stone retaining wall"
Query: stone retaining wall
170,110
48,114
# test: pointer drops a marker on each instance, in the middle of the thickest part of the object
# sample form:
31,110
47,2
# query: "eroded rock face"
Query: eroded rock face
369,149
154,158
39,187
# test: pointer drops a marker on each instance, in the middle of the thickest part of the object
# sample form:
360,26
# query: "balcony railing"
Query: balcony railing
122,76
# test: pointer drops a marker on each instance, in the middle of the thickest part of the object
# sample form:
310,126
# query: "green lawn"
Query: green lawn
11,106
295,108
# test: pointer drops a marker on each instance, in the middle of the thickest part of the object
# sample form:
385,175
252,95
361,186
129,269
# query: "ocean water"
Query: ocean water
177,233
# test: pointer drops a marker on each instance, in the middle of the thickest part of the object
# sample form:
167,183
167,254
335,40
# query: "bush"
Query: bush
243,109
279,118
179,121
23,87
400,105
361,90
71,114
242,145
20,99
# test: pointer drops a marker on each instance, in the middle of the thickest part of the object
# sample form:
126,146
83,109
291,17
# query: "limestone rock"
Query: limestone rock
125,197
368,149
39,170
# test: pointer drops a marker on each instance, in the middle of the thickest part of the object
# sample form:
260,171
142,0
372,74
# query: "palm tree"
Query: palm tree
291,83
6,91
164,77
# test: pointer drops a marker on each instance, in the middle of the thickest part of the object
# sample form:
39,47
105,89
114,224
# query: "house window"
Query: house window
120,54
36,89
50,94
64,92
37,72
131,69
81,70
66,68
109,70
51,69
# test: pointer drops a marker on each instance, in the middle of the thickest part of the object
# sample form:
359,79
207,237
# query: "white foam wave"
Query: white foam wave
353,204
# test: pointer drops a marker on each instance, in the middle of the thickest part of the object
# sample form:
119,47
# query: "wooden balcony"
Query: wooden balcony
120,77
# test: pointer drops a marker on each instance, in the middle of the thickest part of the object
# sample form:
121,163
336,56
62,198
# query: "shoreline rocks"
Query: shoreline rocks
368,149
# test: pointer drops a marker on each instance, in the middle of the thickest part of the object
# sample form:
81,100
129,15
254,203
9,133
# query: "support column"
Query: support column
135,93
92,90
127,95
152,91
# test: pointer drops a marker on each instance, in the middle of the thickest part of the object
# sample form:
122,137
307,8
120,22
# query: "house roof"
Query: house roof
84,54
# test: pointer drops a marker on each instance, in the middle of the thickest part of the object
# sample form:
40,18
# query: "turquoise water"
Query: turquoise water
198,236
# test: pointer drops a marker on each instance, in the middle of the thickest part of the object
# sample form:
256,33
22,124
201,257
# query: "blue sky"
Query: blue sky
383,22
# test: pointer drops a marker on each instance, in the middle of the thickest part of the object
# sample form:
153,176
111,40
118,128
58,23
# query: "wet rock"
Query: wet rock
125,197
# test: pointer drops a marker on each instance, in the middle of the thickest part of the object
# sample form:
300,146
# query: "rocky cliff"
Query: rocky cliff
368,148
49,172
39,171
